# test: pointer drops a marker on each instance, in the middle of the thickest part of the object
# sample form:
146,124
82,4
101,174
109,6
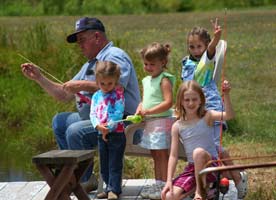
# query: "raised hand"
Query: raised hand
226,87
216,28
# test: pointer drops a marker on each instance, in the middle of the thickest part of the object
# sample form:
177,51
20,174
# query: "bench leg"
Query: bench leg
62,192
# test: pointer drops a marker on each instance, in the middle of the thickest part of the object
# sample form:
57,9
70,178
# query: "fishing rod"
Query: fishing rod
81,96
229,168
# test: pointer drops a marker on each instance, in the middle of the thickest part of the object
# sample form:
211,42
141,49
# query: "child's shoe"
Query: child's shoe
242,186
112,196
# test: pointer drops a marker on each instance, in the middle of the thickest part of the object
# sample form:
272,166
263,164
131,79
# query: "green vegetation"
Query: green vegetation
111,7
26,111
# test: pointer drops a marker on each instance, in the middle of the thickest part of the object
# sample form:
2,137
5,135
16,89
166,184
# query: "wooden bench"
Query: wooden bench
62,170
136,150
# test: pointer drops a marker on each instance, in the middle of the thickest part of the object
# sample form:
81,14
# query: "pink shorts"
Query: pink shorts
187,181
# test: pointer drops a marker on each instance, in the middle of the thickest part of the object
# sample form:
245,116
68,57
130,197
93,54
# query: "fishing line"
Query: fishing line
40,68
81,96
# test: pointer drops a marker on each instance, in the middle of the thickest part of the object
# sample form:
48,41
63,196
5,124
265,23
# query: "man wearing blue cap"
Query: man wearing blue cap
73,130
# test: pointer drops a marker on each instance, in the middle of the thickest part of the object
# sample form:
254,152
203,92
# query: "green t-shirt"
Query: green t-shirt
152,93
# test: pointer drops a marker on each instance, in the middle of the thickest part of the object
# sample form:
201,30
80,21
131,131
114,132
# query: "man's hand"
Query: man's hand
31,71
72,86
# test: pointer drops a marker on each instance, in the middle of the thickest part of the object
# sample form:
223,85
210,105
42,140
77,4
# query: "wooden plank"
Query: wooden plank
133,187
63,156
2,185
11,190
42,193
38,190
30,190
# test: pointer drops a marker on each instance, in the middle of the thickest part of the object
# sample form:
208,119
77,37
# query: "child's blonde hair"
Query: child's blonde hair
107,69
202,33
156,51
185,86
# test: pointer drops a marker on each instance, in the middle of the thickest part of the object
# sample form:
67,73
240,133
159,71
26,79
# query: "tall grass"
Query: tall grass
26,111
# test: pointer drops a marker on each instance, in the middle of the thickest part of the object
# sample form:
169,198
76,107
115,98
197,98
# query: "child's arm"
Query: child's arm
166,87
93,115
205,68
229,112
94,119
172,159
211,49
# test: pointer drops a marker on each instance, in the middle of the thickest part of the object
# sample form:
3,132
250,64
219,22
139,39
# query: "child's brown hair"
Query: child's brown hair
107,69
156,50
202,33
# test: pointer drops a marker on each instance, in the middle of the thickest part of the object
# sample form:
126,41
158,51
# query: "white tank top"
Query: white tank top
197,135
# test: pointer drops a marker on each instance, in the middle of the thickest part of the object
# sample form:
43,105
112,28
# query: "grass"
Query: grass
26,111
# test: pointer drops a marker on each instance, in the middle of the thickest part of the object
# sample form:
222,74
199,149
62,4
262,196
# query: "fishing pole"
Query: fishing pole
81,96
40,68
222,80
132,118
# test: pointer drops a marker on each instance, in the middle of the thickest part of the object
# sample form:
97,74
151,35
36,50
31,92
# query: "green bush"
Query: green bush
111,7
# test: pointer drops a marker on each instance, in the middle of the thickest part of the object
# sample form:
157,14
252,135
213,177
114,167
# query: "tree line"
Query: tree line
111,7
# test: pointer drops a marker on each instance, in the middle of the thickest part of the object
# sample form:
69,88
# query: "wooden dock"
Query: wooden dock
37,190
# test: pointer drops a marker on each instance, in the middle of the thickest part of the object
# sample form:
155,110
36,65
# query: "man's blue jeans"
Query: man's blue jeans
72,132
111,159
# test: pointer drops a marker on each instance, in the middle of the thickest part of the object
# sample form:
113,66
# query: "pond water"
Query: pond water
17,166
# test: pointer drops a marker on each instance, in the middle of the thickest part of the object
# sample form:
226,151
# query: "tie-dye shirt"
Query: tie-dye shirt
108,108
202,72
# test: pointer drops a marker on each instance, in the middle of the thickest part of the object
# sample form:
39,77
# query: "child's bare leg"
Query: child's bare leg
160,158
200,157
234,174
177,194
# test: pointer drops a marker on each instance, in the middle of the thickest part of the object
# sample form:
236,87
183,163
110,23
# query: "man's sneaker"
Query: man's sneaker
147,189
242,186
91,184
156,194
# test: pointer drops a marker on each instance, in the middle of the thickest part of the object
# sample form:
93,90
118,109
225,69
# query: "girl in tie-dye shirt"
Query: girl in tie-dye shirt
107,107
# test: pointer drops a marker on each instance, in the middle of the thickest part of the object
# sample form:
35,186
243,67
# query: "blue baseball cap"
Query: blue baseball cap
84,24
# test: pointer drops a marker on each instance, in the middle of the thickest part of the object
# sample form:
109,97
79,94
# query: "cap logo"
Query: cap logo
77,25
